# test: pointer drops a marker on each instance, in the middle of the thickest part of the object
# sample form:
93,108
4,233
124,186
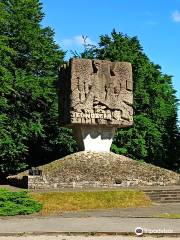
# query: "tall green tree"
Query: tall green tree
29,61
155,136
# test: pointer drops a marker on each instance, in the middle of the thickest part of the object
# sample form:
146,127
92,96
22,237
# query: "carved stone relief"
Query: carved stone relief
96,92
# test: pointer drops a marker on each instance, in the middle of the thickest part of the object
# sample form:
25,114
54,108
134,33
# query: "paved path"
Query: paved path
151,211
91,224
61,237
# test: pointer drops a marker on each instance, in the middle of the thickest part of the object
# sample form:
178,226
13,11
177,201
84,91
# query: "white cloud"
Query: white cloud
77,41
67,42
176,16
83,39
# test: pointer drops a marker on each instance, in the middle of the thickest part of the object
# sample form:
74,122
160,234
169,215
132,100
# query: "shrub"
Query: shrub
17,203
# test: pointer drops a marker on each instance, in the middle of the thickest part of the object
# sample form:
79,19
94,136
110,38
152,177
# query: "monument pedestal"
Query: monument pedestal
94,138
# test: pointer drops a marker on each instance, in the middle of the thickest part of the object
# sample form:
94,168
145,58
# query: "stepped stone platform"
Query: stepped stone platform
97,170
164,195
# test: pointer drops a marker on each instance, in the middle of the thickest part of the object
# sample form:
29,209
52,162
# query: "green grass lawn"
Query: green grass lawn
58,202
168,215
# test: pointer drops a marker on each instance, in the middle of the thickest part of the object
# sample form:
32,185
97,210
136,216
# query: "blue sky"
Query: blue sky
155,23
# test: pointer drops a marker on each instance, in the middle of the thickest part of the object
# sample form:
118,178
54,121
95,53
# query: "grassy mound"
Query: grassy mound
107,168
58,202
17,203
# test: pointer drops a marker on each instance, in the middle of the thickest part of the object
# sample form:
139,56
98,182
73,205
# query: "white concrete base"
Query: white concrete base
94,138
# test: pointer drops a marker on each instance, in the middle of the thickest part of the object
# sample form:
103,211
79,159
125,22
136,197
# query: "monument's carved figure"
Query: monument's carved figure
96,93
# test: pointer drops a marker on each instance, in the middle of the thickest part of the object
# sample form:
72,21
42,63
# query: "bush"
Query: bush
17,203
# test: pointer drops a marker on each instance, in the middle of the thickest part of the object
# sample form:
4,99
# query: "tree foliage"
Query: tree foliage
29,61
154,137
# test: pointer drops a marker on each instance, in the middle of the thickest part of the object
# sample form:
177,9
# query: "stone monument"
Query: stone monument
95,98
